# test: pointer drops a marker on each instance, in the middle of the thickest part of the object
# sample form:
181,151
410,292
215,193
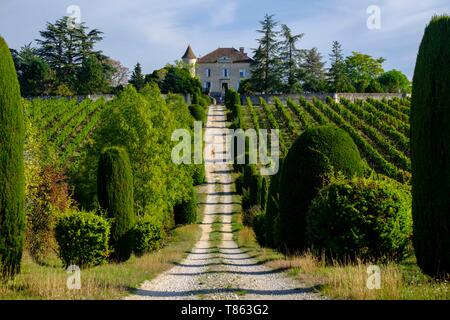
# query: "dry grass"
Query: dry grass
350,282
109,281
346,281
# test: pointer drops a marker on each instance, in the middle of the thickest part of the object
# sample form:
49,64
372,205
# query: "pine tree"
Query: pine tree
137,78
12,196
430,149
290,57
313,72
115,195
266,67
64,46
337,76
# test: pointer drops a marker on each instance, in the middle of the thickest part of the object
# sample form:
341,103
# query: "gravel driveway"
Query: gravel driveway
223,271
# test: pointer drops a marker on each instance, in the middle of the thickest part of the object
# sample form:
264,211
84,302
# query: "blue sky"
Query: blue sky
156,32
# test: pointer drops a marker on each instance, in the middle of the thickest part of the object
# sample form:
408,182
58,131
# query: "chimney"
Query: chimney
241,49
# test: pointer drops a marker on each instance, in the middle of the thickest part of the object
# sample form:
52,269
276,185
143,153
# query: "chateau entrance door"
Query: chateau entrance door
224,86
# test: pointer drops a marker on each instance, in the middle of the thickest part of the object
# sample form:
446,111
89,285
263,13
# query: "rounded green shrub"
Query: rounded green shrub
115,196
148,235
313,158
83,239
186,212
198,112
430,149
205,101
12,185
361,219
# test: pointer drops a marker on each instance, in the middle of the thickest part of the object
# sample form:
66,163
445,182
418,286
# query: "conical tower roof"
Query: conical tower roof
189,54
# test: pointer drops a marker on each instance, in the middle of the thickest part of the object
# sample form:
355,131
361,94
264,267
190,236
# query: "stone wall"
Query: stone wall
322,96
364,96
95,97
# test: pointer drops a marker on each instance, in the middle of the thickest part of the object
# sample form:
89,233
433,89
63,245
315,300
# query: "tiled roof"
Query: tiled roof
189,54
231,53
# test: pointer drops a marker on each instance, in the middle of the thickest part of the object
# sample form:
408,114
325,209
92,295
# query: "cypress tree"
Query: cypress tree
430,149
115,195
12,185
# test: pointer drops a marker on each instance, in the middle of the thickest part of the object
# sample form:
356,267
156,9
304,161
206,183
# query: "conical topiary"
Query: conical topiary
115,195
430,149
12,185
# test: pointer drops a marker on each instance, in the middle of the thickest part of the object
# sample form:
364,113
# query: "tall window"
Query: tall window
225,73
208,72
242,73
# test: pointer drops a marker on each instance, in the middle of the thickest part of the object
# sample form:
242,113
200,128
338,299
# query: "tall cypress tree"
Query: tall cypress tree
12,185
430,149
115,195
137,78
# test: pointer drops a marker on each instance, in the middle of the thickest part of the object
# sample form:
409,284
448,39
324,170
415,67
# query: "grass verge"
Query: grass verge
109,281
402,281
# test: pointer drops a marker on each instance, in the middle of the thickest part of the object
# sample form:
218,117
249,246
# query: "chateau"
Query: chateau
220,69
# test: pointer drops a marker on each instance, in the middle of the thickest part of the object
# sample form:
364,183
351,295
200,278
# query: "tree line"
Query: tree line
65,62
280,66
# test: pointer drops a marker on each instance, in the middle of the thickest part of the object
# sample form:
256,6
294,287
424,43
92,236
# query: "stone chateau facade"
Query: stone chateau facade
220,69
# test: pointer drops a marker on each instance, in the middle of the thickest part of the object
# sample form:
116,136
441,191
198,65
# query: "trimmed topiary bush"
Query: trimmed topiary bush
239,182
430,149
199,176
83,239
205,101
186,212
195,98
259,227
265,182
198,112
115,196
255,188
12,185
271,207
249,171
148,235
361,219
313,158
